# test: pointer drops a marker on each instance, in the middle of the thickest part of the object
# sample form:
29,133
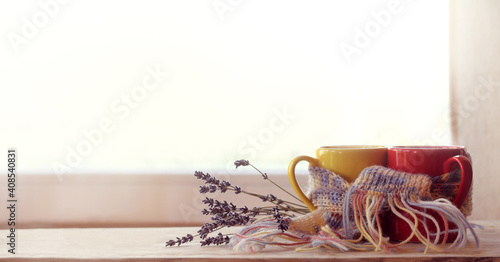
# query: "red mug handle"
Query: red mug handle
466,177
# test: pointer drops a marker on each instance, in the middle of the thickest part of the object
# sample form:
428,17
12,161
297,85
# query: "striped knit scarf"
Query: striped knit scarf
350,216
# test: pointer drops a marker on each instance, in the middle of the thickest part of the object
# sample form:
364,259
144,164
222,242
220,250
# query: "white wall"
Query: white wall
475,96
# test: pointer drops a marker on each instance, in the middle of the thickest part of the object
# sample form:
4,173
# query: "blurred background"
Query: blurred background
112,106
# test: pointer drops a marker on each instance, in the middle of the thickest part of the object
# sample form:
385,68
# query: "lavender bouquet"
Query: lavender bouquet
226,214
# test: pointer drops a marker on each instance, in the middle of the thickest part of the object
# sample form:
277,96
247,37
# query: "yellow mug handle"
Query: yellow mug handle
291,175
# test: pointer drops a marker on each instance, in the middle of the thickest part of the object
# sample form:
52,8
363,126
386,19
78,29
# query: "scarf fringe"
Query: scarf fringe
416,213
255,237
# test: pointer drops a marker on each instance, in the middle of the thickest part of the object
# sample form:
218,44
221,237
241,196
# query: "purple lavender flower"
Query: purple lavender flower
241,162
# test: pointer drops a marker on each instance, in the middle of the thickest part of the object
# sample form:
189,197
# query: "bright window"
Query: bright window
173,86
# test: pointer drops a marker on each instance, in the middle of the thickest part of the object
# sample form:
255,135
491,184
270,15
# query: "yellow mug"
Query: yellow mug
345,161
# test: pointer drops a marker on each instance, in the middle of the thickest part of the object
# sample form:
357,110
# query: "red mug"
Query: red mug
432,161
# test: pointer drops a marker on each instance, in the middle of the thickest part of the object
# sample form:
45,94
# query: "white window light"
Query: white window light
178,86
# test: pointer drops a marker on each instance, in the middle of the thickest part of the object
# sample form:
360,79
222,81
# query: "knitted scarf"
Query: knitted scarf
350,216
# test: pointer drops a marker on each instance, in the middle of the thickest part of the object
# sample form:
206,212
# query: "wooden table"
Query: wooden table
148,244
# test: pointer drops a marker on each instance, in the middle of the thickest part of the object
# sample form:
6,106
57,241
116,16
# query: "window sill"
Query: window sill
45,201
148,244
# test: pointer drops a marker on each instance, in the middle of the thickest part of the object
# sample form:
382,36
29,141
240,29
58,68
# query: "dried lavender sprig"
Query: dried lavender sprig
227,214
205,240
220,223
218,240
224,210
223,186
179,241
243,162
278,201
282,222
266,177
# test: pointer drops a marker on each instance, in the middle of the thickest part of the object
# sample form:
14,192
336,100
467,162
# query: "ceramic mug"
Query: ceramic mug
432,161
345,161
